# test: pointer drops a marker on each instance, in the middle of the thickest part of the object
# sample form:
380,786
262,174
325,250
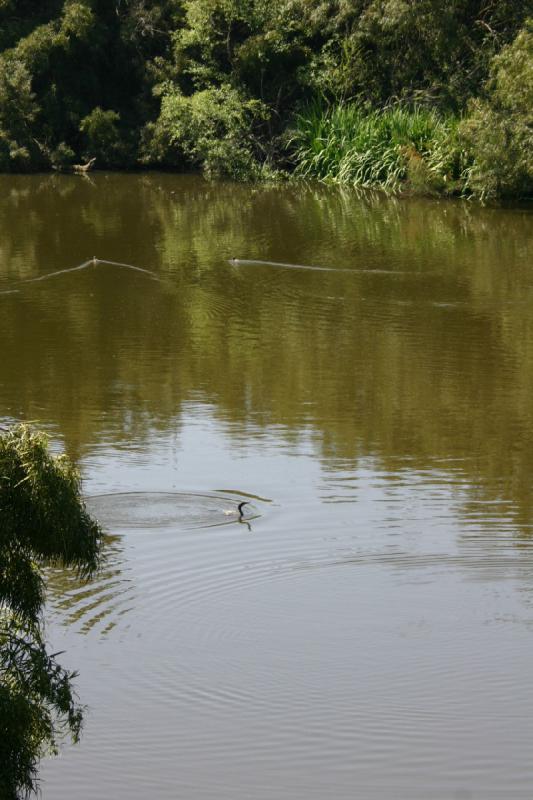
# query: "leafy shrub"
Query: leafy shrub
102,137
18,110
499,128
62,156
211,129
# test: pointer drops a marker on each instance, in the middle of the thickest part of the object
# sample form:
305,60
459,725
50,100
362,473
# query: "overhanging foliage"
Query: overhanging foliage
42,520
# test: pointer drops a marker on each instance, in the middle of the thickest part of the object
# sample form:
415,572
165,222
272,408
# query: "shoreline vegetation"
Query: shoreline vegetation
427,97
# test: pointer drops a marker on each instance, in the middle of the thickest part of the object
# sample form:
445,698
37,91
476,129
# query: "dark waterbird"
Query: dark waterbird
230,512
240,507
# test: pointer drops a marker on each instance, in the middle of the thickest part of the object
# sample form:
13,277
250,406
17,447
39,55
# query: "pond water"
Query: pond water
365,628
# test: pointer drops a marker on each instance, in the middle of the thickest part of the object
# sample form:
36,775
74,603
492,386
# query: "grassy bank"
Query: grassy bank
213,85
392,148
486,152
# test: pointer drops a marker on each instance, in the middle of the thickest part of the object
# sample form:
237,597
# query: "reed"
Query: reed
391,148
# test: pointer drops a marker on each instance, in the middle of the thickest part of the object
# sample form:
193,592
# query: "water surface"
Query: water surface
367,629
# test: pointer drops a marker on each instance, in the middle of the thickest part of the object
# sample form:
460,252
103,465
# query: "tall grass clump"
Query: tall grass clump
390,148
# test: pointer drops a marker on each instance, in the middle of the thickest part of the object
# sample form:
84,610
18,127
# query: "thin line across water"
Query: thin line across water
85,265
250,262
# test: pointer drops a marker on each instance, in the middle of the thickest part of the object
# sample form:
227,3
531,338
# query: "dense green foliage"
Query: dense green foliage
42,520
499,129
387,148
217,85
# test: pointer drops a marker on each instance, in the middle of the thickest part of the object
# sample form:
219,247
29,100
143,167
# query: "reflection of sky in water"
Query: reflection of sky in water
384,641
419,525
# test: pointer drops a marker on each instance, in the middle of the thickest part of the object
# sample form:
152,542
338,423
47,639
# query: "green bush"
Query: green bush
211,129
499,128
102,137
62,156
18,111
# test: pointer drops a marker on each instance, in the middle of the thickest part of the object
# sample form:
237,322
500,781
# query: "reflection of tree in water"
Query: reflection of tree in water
100,603
435,367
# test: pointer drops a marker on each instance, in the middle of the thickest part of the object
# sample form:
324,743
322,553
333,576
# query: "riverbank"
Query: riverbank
484,152
396,149
379,93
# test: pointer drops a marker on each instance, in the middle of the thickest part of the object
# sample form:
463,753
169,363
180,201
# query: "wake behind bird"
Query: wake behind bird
171,511
93,262
250,262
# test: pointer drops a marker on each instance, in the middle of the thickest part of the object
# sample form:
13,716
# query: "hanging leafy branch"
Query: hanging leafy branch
42,520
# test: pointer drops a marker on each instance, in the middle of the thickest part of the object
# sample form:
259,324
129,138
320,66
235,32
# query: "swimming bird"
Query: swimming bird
230,512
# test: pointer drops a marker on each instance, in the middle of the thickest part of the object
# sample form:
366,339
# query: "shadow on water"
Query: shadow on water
99,604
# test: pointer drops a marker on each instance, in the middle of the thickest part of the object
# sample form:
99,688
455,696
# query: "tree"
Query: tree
42,521
102,137
499,129
18,110
211,129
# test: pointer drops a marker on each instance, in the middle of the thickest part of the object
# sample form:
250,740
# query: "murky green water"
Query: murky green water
367,629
